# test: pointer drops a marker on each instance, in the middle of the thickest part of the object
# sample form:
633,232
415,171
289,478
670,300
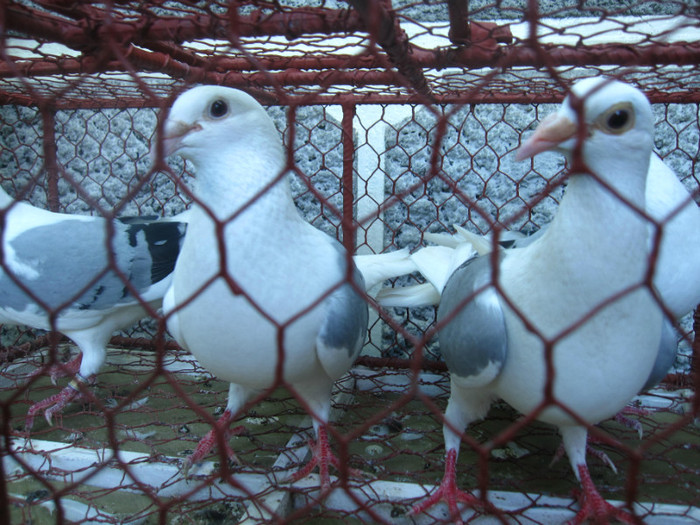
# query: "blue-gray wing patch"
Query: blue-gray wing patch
346,320
474,340
64,258
668,346
345,325
344,328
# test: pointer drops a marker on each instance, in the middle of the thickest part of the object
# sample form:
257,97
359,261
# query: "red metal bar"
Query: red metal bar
679,53
301,69
78,35
160,62
178,53
50,161
459,17
381,363
348,180
379,97
382,24
41,25
290,24
60,66
466,32
551,96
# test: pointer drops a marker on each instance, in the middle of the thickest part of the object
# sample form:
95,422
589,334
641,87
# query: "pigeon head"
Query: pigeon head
617,117
208,119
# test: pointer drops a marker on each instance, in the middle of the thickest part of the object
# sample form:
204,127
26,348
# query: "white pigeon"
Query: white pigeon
676,278
259,296
671,206
668,203
570,332
56,275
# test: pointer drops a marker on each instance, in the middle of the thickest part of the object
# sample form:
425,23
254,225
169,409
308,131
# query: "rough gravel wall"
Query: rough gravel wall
106,153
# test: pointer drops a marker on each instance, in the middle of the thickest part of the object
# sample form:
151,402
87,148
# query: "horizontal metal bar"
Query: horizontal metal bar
306,69
351,97
81,34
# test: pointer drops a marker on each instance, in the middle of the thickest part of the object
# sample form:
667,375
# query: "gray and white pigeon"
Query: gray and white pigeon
58,273
676,278
568,329
259,296
668,203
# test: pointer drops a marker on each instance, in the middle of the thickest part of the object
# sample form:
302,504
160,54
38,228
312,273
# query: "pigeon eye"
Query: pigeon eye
618,119
218,109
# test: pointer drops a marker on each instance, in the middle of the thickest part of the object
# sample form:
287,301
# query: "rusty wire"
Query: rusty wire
471,97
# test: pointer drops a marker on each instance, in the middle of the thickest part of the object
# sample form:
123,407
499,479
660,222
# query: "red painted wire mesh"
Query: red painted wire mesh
376,90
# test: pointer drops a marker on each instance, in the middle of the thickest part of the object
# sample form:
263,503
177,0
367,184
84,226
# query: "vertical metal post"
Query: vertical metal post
383,26
348,180
48,119
459,21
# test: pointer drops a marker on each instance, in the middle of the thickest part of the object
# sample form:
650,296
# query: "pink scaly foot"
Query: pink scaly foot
209,440
450,494
55,372
602,456
621,417
323,458
54,404
594,508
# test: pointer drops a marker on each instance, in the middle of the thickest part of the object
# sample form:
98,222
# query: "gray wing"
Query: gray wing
343,331
67,262
473,338
665,357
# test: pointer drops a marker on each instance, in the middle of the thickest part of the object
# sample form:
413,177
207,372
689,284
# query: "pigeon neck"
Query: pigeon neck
235,179
593,217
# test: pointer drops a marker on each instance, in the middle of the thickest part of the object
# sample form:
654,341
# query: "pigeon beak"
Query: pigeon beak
173,134
551,132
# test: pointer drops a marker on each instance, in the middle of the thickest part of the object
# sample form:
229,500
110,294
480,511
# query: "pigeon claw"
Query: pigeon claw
207,443
323,458
449,493
621,417
52,405
602,456
594,509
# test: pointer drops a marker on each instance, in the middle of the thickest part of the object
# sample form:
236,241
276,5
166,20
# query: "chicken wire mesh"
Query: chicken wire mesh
401,119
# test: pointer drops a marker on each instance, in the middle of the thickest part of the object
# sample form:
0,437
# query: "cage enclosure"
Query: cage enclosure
400,120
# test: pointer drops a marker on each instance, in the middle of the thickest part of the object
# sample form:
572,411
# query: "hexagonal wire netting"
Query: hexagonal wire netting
401,120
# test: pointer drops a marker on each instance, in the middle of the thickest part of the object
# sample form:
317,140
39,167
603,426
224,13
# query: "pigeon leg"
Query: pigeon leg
621,417
55,372
237,396
594,509
602,456
54,404
210,440
466,404
323,458
449,493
